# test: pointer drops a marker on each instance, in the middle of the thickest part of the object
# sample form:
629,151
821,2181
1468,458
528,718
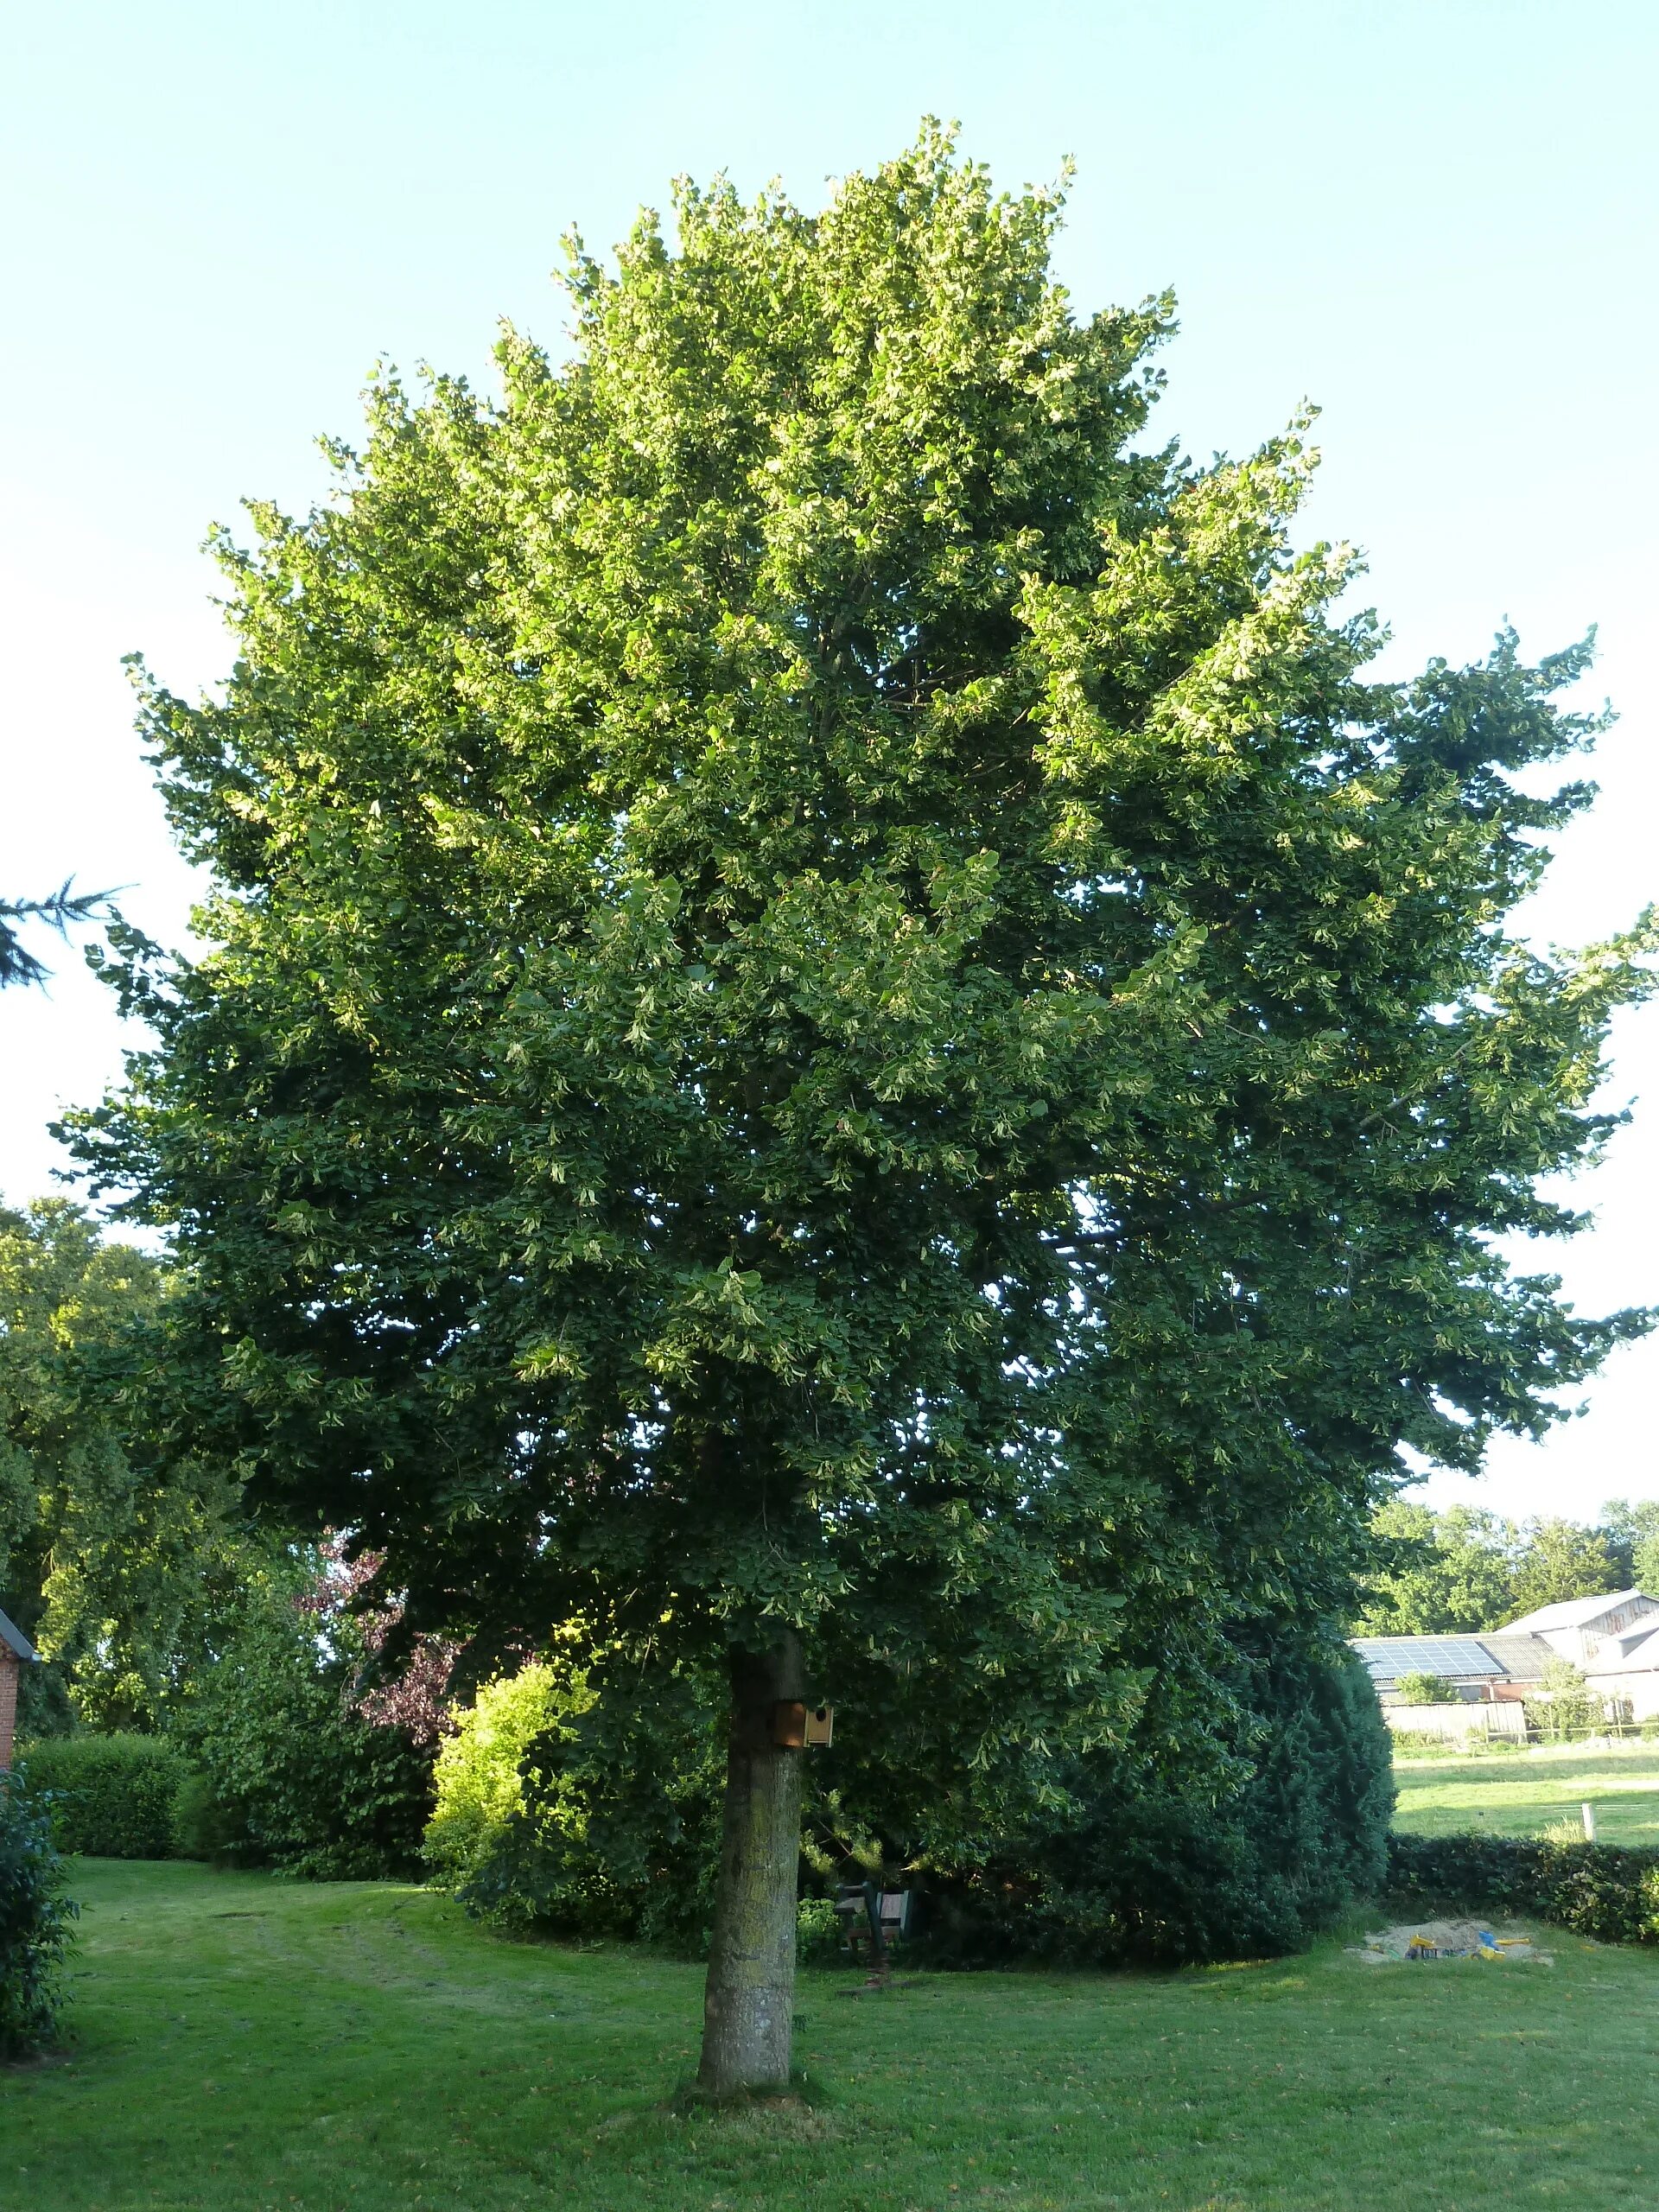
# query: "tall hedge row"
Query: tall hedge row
109,1796
1603,1889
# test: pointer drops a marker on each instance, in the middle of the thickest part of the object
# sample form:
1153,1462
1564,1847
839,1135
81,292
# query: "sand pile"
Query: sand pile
1425,1943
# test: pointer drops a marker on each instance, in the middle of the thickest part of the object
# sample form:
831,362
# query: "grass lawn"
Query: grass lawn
242,2043
1519,1793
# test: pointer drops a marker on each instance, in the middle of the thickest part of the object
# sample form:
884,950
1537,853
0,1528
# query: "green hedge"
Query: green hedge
1603,1889
111,1797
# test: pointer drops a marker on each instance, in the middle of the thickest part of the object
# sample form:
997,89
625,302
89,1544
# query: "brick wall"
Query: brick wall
7,1708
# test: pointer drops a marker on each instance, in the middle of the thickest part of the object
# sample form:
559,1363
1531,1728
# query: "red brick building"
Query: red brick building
16,1652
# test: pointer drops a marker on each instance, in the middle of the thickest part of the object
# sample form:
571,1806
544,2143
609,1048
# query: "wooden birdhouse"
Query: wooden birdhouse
794,1725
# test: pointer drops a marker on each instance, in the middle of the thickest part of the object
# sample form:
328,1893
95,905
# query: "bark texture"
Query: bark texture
749,2004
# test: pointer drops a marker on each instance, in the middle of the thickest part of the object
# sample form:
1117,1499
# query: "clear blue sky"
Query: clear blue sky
1436,220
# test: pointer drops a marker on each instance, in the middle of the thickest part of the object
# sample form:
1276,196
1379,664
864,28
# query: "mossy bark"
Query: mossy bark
749,2003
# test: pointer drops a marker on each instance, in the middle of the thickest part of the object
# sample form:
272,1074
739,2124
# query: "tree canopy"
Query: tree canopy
836,1007
1630,1533
1466,1570
108,1553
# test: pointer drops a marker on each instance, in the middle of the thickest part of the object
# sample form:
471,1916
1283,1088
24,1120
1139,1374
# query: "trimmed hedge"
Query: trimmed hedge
1603,1890
111,1797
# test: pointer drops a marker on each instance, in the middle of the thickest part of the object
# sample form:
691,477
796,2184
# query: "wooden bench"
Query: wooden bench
873,1917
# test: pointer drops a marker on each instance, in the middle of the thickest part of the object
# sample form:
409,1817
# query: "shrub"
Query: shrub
34,1917
201,1827
111,1797
1426,1690
604,1820
1568,1708
479,1786
1146,1874
1603,1889
294,1778
592,1805
820,1938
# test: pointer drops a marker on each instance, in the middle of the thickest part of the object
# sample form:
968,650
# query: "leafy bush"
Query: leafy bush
201,1827
34,1917
1603,1889
564,1809
1144,1873
820,1938
479,1785
294,1777
587,1805
111,1797
1568,1707
1426,1690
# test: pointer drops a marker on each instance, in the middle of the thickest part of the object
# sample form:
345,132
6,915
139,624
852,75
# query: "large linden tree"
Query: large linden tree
839,1030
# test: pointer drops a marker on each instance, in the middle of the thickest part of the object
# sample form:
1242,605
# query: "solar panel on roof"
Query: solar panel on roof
1390,1656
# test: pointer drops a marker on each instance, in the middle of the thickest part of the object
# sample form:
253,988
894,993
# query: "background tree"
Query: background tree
1444,1574
1463,1570
1631,1533
844,1041
1559,1560
294,1773
112,1556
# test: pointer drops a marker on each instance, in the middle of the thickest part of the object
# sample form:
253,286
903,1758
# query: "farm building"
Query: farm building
1486,1669
1613,1638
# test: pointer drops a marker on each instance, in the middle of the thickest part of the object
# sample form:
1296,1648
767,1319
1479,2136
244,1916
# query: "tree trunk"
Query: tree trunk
749,2002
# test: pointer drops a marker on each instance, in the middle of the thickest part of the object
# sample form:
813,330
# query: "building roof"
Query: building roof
1574,1612
1524,1658
12,1639
1455,1658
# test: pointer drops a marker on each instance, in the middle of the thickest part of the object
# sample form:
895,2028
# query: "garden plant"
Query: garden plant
36,1915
